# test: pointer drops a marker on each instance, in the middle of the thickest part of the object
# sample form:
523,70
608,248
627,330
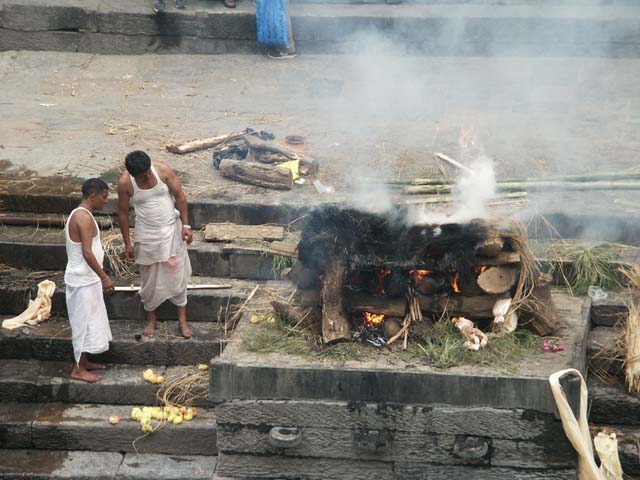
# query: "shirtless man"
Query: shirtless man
162,233
85,280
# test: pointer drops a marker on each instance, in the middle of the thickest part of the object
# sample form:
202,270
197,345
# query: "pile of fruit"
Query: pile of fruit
174,415
151,377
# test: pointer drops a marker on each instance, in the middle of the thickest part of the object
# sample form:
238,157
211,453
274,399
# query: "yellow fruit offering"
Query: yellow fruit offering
159,379
114,420
136,414
202,366
188,416
177,420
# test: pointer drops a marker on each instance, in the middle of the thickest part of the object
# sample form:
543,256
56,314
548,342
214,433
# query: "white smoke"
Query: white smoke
472,193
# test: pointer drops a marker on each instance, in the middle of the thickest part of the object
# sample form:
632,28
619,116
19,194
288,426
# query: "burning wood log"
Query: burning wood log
308,317
491,246
468,284
480,306
279,178
503,258
496,280
209,142
335,325
391,326
395,283
538,311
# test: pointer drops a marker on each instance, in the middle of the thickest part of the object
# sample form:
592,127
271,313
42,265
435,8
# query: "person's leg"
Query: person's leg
150,329
182,322
81,373
158,6
87,365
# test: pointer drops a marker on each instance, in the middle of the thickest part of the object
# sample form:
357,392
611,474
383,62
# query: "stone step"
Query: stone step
65,426
611,404
83,465
49,381
52,341
602,351
610,311
203,305
22,247
206,27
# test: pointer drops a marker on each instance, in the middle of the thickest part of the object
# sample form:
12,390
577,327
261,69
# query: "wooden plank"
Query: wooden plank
478,421
250,466
284,249
502,258
228,232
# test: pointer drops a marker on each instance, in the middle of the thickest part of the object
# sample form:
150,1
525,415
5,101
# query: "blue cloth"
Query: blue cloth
271,23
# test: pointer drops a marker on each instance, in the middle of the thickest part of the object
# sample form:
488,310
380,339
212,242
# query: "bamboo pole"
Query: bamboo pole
451,198
583,177
534,186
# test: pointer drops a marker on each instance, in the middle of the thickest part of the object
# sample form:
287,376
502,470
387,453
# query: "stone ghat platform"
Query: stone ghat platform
426,27
394,420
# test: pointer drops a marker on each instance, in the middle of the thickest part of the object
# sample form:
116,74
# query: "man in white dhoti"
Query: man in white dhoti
85,280
162,233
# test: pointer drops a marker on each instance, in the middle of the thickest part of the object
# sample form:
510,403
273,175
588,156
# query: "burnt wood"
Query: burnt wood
309,317
538,311
279,178
335,325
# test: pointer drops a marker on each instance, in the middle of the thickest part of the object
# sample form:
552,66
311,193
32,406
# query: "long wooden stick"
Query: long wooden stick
209,142
499,199
204,286
453,162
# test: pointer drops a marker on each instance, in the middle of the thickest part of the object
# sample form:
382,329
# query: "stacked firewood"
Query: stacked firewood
253,157
478,271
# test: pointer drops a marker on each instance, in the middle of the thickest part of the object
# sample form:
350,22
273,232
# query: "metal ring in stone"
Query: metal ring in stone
285,437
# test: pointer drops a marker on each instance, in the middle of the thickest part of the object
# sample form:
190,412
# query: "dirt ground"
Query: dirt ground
370,116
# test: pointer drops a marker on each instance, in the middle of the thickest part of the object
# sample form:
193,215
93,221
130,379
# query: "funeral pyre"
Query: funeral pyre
364,276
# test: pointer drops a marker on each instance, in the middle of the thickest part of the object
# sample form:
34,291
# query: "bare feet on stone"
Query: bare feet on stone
79,373
150,329
87,365
185,331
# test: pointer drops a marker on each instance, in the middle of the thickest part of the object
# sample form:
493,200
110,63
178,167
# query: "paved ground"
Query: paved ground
373,115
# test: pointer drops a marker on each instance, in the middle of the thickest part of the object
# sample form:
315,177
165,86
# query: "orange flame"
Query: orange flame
373,318
417,275
454,282
480,268
381,273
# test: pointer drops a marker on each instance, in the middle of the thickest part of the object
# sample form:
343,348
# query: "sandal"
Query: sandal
230,3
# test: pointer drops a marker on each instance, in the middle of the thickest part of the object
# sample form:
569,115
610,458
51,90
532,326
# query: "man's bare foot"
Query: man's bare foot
79,373
87,365
185,330
150,329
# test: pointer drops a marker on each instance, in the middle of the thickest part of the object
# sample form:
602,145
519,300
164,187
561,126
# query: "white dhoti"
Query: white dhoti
88,317
165,268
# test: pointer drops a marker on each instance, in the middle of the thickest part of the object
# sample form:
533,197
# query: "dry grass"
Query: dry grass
630,343
113,246
184,390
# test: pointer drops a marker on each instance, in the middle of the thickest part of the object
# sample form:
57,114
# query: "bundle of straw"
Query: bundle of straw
631,340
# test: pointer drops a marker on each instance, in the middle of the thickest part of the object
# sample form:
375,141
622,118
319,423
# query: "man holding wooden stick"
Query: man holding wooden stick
162,233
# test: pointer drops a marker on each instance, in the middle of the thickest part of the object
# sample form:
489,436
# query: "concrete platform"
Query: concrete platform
41,381
52,341
62,426
108,27
81,465
240,375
